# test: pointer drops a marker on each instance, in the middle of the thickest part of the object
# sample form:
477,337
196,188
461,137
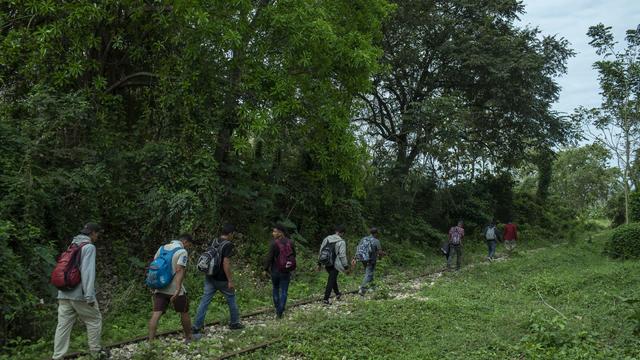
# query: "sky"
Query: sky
571,19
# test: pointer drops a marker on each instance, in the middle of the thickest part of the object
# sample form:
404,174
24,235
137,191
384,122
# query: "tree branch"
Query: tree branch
124,80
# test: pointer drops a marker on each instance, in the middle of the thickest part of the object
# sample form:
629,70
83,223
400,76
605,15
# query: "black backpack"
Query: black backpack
327,254
210,262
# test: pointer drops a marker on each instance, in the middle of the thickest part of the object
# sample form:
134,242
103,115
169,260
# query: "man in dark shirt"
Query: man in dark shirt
223,281
280,277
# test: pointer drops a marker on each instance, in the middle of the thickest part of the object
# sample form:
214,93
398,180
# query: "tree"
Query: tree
582,178
617,120
464,85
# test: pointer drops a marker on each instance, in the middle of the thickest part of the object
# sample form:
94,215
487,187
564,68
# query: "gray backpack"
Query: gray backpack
210,262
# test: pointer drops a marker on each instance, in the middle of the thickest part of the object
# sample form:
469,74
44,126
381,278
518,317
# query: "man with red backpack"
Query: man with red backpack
280,262
78,297
456,233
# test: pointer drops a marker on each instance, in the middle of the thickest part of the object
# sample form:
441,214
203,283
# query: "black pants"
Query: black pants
332,282
458,250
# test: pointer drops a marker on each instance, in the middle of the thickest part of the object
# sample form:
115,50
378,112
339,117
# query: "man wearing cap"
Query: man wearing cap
280,278
81,301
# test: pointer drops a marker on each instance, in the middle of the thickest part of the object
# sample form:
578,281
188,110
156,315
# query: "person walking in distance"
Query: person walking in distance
279,263
221,280
456,234
368,252
510,235
333,256
491,235
79,301
175,292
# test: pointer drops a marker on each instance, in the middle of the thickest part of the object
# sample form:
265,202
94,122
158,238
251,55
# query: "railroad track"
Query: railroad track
247,315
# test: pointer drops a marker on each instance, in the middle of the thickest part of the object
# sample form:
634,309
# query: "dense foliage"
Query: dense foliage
154,118
625,242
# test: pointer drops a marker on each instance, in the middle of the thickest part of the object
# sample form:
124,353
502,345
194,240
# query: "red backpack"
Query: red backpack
285,262
66,274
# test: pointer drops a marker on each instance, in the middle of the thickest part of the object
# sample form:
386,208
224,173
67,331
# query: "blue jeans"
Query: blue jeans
280,282
491,244
368,275
210,288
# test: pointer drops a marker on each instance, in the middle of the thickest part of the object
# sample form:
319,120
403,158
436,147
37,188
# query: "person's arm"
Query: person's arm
319,252
226,266
179,276
268,261
88,273
342,252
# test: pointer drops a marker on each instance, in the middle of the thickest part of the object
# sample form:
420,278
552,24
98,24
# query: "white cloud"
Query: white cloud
571,19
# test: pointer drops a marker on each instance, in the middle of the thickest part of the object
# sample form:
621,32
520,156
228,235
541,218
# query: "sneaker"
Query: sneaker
326,302
236,326
339,297
279,316
361,292
196,336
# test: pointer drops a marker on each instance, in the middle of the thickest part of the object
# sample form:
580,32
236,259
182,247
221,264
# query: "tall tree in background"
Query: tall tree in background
617,120
582,179
461,84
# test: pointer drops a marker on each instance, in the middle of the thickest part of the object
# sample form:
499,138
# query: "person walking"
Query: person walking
279,263
491,235
333,255
175,293
220,281
510,235
80,302
367,252
456,234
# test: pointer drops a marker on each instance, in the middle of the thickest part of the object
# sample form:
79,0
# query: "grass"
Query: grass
556,303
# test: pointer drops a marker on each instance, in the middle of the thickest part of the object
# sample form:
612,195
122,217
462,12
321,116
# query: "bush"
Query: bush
625,242
634,206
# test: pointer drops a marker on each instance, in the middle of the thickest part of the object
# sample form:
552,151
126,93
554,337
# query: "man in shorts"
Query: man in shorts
175,293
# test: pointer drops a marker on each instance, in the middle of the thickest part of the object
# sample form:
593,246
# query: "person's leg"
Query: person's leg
92,319
181,306
153,324
186,325
230,295
492,249
284,290
368,277
275,291
335,284
508,244
458,256
450,255
207,296
160,303
66,318
330,280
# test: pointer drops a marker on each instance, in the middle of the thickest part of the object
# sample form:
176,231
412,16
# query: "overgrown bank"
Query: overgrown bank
497,296
561,302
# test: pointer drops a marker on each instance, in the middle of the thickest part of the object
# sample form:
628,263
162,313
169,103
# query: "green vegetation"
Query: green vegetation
155,118
558,302
625,242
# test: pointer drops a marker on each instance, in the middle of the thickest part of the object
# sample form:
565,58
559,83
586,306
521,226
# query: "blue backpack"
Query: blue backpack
160,272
